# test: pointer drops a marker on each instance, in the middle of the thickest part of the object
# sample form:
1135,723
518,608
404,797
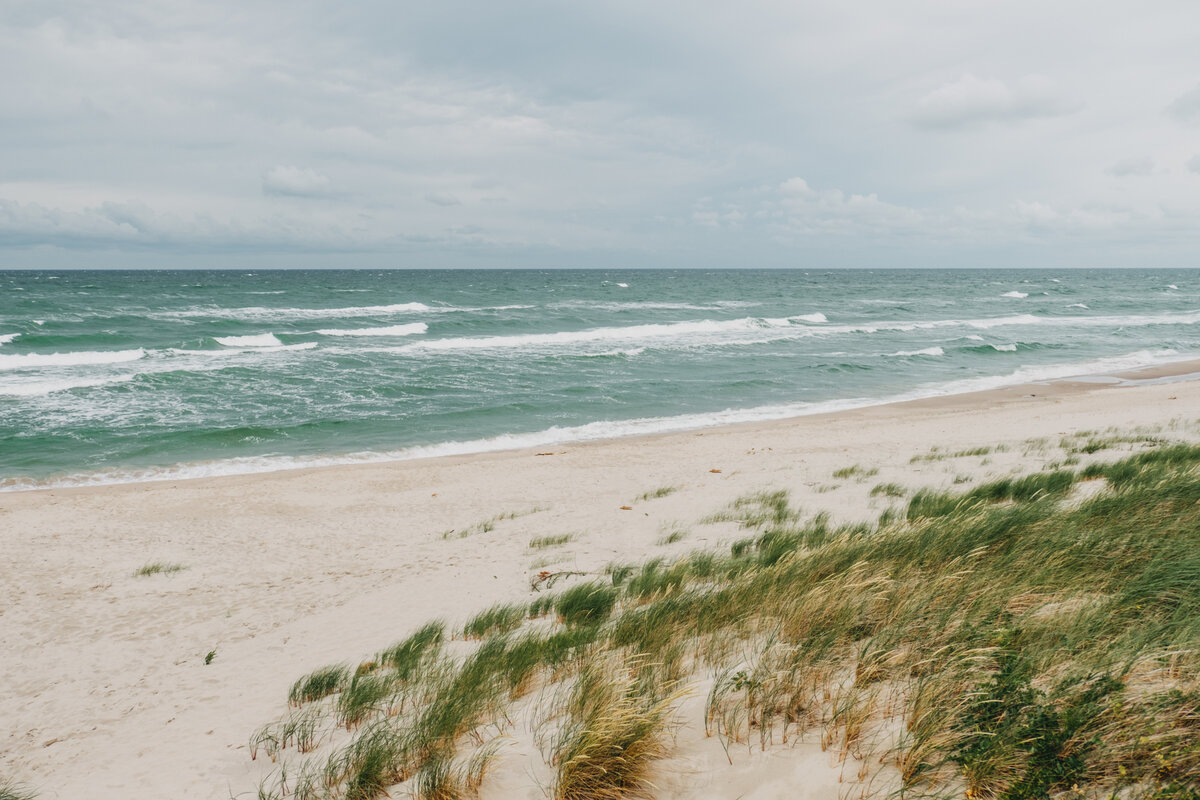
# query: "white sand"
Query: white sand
104,692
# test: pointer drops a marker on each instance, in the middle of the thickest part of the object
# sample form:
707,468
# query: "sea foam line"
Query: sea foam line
76,359
262,312
391,330
255,340
5,338
748,330
594,431
41,388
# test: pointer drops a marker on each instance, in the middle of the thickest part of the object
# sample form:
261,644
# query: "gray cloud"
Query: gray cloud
1193,164
1132,166
621,133
295,181
1186,107
442,199
970,101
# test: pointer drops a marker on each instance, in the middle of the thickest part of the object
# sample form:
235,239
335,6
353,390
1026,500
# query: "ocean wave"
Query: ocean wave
757,330
39,388
928,351
392,330
637,305
77,359
262,312
1004,348
600,430
5,338
1079,305
1017,295
629,352
236,351
255,340
695,330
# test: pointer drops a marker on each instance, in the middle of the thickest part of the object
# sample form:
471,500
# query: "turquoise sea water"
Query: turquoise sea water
115,376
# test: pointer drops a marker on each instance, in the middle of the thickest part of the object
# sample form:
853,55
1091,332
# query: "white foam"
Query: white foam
40,388
5,338
78,359
996,322
928,351
261,312
599,430
627,352
817,317
392,330
236,351
1172,286
1079,305
623,285
1018,295
39,322
256,340
1005,348
697,330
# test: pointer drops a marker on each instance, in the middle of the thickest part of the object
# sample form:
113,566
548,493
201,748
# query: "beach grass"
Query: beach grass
157,568
1016,641
662,491
10,790
542,542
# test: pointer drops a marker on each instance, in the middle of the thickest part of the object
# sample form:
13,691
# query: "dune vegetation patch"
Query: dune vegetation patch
157,568
994,643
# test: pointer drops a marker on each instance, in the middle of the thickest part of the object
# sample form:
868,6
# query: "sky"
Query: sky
812,134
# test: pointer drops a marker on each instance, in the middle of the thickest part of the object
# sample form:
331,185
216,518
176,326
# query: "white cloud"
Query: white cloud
971,101
295,182
1193,164
376,128
442,199
1132,166
1186,107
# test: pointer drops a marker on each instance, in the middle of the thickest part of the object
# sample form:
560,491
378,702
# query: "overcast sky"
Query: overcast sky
611,134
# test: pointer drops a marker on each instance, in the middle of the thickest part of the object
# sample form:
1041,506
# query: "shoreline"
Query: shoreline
1171,371
286,571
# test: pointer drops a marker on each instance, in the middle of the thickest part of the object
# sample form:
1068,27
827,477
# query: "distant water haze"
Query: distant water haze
122,376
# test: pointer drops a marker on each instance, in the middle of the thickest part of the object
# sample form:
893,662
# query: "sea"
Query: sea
124,376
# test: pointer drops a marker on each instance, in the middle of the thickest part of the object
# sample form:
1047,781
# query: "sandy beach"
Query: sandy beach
105,691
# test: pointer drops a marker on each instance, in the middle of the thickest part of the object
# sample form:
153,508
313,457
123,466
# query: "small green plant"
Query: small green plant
500,618
661,491
542,542
488,525
671,537
404,657
14,791
319,683
889,490
586,604
208,658
158,568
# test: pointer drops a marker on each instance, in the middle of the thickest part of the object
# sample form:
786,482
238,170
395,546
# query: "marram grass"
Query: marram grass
1011,642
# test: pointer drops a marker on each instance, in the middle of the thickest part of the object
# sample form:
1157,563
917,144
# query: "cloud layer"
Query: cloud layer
540,134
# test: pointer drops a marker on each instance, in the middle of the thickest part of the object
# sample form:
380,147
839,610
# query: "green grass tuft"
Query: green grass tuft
542,542
661,491
500,618
319,683
158,568
586,604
